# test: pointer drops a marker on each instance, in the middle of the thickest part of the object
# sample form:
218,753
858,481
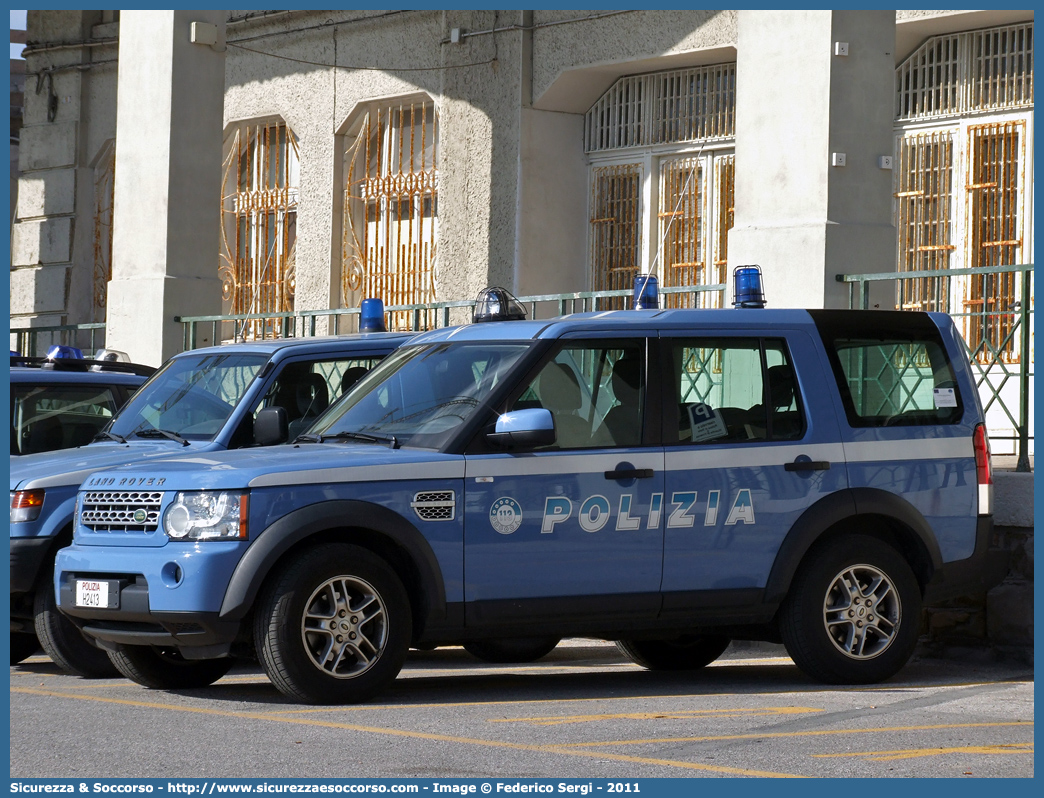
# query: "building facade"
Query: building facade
423,155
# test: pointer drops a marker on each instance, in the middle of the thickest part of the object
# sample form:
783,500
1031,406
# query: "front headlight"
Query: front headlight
26,505
206,516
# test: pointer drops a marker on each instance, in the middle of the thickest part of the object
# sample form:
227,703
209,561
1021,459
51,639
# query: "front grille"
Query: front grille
121,510
437,505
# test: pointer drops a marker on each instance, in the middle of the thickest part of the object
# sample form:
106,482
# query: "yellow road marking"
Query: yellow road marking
683,714
820,733
915,753
552,749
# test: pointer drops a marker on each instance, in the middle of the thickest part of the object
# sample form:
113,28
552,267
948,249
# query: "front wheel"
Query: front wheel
23,646
512,649
687,653
64,643
334,627
852,615
165,669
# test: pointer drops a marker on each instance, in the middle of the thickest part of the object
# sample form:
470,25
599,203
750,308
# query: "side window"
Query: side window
306,388
58,416
595,392
734,390
897,383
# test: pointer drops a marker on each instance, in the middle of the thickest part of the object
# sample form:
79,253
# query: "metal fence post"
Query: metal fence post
1023,463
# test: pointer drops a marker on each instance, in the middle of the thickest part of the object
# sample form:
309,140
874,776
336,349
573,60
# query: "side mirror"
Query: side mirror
270,426
524,428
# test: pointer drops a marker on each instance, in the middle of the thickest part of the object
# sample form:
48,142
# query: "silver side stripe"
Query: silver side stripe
752,456
528,465
66,479
453,469
906,450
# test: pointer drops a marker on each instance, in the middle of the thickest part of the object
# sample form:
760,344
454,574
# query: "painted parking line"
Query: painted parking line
917,753
817,733
563,750
684,714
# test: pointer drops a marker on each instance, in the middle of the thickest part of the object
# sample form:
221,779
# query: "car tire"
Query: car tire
853,612
64,643
512,649
312,638
166,669
688,653
23,646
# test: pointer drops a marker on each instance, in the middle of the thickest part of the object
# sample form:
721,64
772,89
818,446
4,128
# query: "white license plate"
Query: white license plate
97,593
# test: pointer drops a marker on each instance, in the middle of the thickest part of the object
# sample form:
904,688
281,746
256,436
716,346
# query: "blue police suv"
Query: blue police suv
205,400
669,479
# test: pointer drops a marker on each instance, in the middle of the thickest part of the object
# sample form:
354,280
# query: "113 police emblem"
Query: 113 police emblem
505,515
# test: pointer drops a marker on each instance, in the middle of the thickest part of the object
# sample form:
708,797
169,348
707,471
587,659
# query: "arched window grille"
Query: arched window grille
391,209
259,198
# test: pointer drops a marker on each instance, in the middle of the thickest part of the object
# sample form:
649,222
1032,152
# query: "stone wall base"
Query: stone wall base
995,625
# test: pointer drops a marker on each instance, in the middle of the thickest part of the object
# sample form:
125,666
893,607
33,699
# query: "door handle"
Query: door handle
630,473
807,465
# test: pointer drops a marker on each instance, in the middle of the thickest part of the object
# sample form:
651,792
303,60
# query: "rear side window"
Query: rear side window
894,372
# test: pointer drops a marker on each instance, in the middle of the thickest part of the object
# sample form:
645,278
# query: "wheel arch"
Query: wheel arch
869,511
380,530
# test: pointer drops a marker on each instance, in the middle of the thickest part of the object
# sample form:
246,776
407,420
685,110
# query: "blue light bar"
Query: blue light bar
371,317
59,351
748,284
646,292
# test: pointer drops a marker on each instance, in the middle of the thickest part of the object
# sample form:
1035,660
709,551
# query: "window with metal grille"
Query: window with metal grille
995,236
681,226
259,224
616,227
391,209
973,71
669,209
695,104
960,186
924,190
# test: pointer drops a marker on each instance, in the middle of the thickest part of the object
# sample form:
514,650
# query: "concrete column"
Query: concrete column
50,235
799,101
167,207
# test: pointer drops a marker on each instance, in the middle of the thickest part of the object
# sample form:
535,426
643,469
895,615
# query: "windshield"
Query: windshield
191,397
420,395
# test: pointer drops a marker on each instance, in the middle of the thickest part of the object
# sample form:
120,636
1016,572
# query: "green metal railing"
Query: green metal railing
990,358
304,323
83,336
993,372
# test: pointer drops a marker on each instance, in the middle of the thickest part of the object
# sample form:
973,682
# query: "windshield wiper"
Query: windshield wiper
305,437
391,440
106,435
161,433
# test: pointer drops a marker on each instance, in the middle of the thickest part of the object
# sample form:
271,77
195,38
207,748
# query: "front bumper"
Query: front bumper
197,635
28,555
986,568
169,595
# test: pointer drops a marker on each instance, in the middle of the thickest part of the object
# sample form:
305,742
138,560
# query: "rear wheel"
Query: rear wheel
508,650
64,643
853,612
23,646
166,669
334,627
686,653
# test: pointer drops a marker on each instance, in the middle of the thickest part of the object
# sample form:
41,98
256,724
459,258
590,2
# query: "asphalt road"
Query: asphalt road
583,711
